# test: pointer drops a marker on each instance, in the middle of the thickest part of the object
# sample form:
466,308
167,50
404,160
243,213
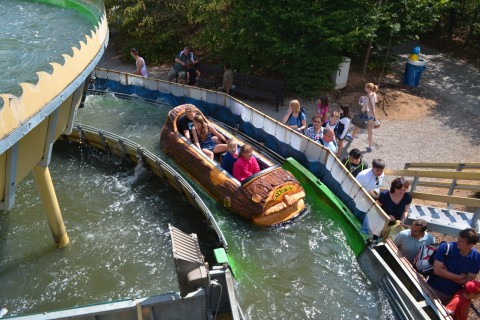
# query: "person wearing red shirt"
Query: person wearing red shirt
246,165
460,304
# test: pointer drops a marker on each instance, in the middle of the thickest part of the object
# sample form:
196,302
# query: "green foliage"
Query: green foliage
301,42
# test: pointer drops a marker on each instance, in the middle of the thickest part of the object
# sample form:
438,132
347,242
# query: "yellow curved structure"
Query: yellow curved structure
30,123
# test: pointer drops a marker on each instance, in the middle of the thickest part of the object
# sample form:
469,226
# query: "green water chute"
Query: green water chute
332,206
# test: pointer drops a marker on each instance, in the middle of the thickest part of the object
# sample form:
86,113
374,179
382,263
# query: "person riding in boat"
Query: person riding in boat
202,135
231,156
185,123
246,165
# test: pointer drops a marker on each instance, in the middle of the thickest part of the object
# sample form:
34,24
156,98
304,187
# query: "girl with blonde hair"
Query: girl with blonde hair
295,118
368,103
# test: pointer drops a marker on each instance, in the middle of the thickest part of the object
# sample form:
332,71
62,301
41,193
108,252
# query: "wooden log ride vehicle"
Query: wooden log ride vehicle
269,197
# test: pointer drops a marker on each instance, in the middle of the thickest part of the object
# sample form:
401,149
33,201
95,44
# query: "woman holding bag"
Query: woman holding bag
368,103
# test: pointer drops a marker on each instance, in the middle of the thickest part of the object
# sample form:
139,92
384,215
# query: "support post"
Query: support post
52,209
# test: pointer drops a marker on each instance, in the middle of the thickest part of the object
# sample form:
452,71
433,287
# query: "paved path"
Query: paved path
451,79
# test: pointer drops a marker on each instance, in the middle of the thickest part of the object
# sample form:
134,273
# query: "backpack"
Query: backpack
425,258
299,119
339,127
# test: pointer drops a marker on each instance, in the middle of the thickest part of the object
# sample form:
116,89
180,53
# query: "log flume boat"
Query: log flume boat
269,197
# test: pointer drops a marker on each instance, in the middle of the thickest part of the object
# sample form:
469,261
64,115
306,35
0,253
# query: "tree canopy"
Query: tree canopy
301,42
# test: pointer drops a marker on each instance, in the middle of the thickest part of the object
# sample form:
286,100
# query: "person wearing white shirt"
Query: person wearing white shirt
371,179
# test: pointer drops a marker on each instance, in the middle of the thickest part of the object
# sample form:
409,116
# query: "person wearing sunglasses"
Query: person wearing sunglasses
328,140
372,178
315,132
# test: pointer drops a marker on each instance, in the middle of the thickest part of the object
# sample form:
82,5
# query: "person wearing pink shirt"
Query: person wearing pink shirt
246,165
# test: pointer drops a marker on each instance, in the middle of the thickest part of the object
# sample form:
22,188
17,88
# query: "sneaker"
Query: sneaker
349,137
368,149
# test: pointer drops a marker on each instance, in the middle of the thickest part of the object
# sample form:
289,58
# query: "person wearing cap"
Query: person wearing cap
411,240
354,162
459,306
460,265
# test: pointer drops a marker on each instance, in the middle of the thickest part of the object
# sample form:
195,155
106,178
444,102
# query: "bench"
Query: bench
258,87
210,77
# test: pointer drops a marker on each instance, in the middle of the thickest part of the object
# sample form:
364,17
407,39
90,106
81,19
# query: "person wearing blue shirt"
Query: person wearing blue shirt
452,270
295,118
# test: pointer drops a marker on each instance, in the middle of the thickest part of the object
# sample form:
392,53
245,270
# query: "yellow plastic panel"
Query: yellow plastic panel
9,116
30,149
63,115
3,170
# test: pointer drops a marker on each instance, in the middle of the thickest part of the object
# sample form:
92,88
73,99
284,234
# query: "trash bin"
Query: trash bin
413,72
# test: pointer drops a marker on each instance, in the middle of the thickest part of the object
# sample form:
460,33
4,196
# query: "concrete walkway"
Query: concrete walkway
453,80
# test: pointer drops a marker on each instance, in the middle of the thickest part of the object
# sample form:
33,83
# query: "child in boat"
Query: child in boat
231,156
246,165
460,304
202,135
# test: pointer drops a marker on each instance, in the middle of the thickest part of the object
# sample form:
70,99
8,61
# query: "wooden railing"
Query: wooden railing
440,175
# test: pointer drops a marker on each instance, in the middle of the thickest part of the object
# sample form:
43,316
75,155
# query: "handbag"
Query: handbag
359,121
376,123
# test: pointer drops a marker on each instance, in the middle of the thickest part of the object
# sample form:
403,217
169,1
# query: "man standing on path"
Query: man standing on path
453,269
410,241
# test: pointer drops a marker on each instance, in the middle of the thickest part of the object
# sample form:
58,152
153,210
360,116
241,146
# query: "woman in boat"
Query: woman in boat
295,118
246,165
315,132
396,201
202,135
